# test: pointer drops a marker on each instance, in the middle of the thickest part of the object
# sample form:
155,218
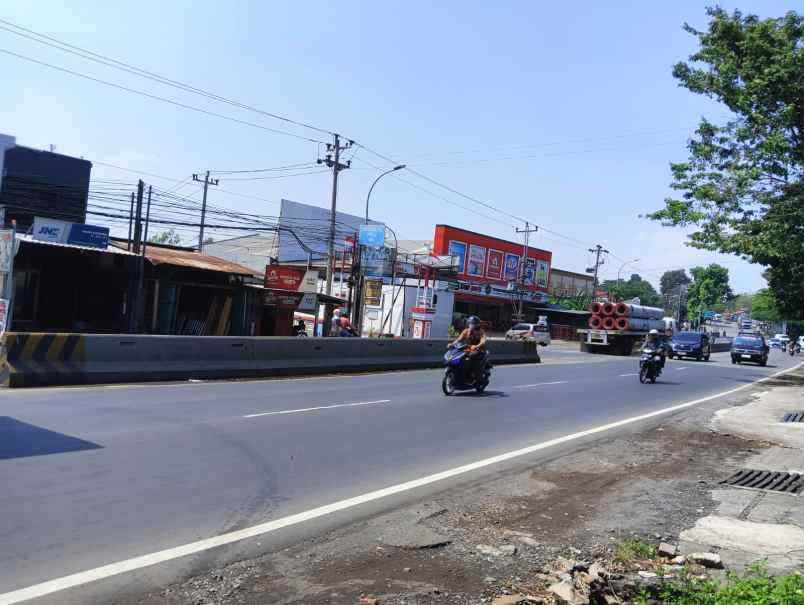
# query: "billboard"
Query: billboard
477,260
495,265
377,261
310,224
458,249
511,267
542,273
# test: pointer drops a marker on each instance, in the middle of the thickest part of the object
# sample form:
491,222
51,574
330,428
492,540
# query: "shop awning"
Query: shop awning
158,255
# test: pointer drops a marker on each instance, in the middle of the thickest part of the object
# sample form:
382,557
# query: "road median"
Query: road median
42,359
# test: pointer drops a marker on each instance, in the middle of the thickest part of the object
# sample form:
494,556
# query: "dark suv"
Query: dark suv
691,344
749,347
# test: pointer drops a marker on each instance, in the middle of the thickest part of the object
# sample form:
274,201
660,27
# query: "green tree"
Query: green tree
635,287
741,301
169,237
742,187
672,280
763,306
709,288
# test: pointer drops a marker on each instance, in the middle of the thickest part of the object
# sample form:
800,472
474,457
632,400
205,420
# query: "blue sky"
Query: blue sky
565,114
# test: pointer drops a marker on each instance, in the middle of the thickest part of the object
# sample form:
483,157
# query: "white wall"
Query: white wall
402,309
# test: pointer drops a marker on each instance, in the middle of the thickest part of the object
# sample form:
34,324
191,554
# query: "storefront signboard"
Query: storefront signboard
495,265
477,260
511,267
542,272
373,294
6,249
458,250
377,262
91,236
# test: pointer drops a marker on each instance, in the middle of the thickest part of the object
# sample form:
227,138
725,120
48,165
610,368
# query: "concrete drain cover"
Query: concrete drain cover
788,483
793,417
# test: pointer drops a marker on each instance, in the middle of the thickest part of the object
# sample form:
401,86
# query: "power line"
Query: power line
156,97
274,169
108,61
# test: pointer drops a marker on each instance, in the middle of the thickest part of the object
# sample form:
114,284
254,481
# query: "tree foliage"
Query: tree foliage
742,187
763,306
671,280
635,287
709,288
169,237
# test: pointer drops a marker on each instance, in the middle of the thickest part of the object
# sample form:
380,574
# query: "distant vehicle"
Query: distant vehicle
718,317
691,344
746,324
775,343
539,331
708,314
801,341
749,348
782,338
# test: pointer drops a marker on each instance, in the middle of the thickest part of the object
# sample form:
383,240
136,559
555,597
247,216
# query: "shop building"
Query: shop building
568,284
493,275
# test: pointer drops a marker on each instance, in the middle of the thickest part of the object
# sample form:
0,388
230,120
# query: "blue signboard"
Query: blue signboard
372,235
89,235
377,262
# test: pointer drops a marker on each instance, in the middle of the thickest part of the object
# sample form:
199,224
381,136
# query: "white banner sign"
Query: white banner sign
6,250
3,314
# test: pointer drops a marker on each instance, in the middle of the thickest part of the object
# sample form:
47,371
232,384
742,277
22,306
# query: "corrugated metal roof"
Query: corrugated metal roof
194,260
191,259
112,249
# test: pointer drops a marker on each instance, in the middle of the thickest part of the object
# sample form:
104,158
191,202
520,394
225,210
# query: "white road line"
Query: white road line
113,569
631,374
320,407
679,369
539,384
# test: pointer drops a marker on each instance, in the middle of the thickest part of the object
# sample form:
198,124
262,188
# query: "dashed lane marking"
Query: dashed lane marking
316,408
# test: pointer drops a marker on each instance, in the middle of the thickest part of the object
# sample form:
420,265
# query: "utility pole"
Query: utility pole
524,268
138,218
333,160
130,220
207,182
597,250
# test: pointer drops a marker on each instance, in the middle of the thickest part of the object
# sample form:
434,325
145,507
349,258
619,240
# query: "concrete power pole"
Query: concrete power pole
333,160
207,182
597,250
523,271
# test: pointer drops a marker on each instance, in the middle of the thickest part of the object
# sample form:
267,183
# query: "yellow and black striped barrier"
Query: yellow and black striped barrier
33,359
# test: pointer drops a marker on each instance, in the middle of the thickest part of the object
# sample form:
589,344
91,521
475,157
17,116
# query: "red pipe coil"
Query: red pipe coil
608,323
608,309
595,308
621,323
595,322
621,309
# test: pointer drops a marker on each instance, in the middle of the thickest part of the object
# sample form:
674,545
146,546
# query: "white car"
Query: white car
540,332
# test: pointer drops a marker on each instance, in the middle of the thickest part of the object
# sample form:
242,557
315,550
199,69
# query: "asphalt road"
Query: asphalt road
91,476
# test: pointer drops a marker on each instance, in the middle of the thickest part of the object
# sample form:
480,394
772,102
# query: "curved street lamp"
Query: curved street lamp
368,196
628,262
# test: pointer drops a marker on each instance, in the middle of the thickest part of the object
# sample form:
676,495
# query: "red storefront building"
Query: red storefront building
490,281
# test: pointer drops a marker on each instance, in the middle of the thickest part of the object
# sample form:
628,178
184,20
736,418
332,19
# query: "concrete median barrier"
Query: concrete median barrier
73,359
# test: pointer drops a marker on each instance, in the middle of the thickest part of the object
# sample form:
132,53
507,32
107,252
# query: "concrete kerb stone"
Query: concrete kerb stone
32,360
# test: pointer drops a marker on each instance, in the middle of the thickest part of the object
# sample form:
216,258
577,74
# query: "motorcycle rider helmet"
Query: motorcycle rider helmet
654,331
472,321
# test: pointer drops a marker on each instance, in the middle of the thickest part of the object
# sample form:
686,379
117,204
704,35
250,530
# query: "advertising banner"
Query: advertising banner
458,249
511,267
6,250
308,302
530,272
372,235
477,260
89,235
373,294
283,278
377,262
495,266
283,300
3,314
542,272
50,230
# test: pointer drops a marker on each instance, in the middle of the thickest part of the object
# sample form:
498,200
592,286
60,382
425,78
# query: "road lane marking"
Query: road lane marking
679,369
113,569
320,407
631,374
539,384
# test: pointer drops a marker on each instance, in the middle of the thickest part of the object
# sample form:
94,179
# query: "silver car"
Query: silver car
540,332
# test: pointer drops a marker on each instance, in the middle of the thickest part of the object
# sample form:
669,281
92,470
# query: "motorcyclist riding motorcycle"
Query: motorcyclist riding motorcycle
658,344
473,336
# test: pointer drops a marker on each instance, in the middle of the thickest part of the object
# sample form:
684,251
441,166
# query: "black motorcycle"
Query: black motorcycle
650,365
457,376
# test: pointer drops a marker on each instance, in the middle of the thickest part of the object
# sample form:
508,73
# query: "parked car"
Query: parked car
749,348
691,344
540,332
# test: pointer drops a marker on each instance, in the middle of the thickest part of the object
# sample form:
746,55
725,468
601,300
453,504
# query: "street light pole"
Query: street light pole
357,311
368,196
628,262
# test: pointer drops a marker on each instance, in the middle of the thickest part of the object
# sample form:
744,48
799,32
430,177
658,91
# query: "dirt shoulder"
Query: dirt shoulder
473,544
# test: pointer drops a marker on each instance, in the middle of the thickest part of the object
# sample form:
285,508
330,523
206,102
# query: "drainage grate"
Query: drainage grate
793,417
789,483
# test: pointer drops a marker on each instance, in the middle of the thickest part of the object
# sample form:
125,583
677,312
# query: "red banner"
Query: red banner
284,278
494,266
